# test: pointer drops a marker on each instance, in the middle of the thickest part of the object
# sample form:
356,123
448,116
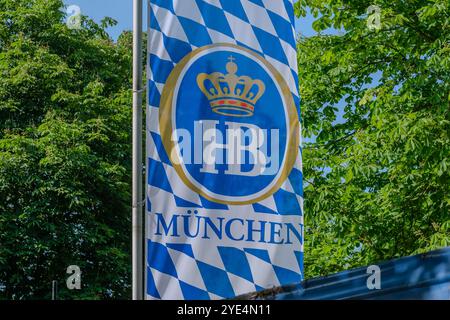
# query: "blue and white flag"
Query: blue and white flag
224,169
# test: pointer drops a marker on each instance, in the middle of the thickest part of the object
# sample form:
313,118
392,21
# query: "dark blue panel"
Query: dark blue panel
425,276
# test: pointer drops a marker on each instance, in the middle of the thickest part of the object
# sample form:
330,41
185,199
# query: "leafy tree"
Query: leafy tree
64,154
377,180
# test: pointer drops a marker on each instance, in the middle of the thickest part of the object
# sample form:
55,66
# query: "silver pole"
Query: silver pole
137,219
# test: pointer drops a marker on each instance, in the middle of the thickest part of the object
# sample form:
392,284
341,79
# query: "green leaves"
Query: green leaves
375,108
64,154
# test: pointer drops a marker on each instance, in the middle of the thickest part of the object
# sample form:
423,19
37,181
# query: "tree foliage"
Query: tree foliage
375,108
64,154
375,105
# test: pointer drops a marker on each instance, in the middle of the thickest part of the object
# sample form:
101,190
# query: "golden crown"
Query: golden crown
230,94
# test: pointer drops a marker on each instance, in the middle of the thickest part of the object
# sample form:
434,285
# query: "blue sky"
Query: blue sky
122,11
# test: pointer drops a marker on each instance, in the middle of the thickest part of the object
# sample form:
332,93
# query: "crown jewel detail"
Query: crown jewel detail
230,94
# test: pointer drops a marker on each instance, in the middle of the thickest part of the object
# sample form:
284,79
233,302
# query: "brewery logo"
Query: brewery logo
229,124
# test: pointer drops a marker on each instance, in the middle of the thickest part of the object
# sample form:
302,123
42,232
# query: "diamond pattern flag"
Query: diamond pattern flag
224,170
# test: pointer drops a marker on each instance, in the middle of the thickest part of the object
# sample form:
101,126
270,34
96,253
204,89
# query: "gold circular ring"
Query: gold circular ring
166,126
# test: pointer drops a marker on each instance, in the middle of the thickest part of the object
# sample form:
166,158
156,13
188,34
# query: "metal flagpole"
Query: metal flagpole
137,219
